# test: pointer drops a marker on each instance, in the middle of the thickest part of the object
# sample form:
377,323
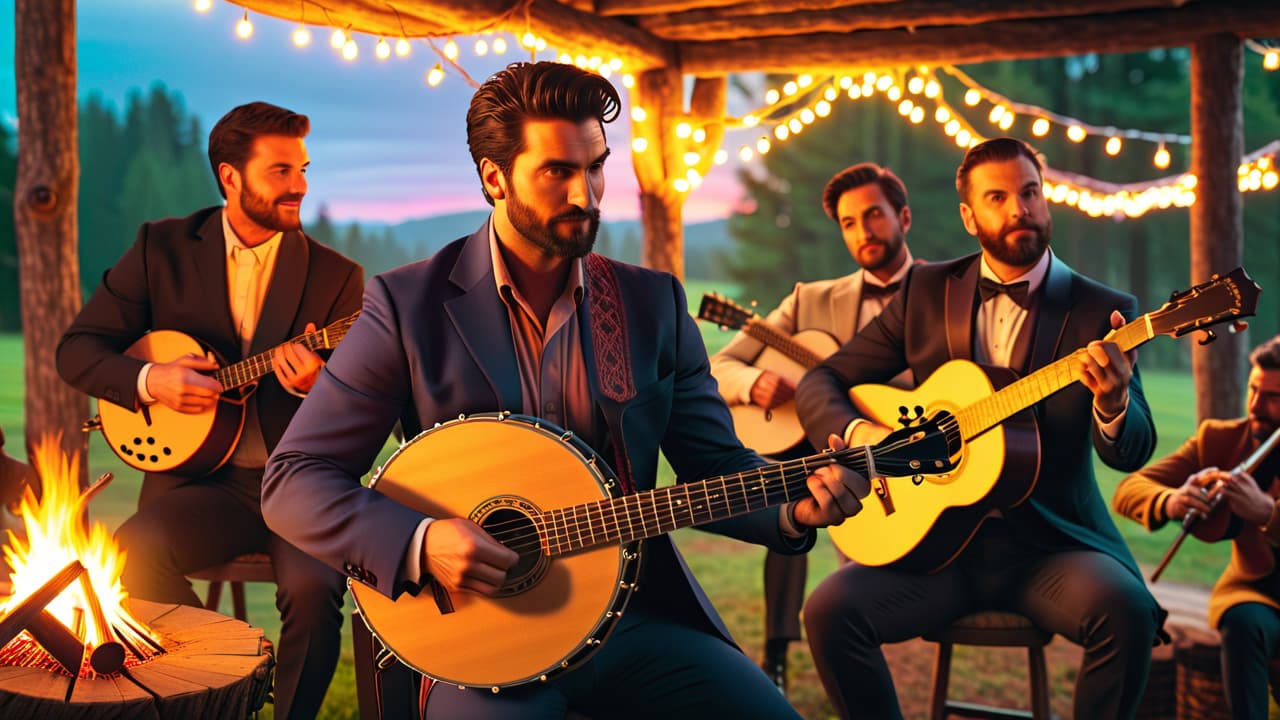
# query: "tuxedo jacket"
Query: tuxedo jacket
174,277
931,321
434,342
1251,576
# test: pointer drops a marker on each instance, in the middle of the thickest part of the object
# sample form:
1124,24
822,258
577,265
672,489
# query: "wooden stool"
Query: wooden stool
252,567
991,629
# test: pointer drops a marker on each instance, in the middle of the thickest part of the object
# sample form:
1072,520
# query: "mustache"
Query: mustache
592,214
289,198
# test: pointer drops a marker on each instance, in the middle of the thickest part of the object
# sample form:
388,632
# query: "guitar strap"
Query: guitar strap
609,340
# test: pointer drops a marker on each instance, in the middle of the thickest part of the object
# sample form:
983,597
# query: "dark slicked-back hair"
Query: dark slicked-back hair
993,150
231,139
1267,355
532,91
855,176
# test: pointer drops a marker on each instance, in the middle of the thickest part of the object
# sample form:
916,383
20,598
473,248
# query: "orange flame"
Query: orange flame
57,534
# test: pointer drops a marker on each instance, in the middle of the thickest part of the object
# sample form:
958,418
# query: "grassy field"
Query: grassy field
730,571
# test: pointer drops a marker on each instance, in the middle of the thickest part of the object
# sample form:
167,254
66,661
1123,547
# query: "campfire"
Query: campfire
67,608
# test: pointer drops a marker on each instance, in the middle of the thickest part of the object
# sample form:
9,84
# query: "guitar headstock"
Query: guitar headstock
923,449
1219,299
722,311
335,331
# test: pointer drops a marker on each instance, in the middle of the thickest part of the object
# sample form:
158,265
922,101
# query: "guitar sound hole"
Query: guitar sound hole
517,531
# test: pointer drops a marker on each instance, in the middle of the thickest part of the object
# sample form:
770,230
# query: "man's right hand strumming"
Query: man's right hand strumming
771,390
182,385
460,555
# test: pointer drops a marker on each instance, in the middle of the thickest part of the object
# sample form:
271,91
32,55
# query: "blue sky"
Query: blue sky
383,145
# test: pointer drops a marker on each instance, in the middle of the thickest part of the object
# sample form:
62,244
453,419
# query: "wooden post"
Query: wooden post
660,93
44,212
1217,227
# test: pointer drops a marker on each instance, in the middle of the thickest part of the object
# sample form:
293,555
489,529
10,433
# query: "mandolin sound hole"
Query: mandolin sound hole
516,530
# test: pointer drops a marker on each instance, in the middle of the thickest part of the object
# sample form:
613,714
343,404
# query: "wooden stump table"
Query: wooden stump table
214,667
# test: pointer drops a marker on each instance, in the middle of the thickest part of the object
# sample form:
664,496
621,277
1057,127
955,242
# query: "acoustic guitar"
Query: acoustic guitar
546,495
923,526
156,438
775,430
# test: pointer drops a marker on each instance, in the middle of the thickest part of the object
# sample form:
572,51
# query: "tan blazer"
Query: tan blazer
827,305
1251,576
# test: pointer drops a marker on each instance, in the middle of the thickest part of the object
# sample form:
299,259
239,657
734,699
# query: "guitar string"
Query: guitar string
654,504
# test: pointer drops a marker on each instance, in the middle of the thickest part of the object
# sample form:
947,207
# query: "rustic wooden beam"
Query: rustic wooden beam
44,215
705,25
1117,33
650,7
1217,224
660,93
563,26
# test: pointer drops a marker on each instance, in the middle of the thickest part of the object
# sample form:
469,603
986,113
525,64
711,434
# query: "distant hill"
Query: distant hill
705,242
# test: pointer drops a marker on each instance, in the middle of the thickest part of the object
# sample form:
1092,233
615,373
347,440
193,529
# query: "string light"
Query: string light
204,6
337,39
1040,127
499,45
451,50
639,144
1113,146
350,50
435,75
244,28
302,36
482,47
383,49
1075,134
403,48
1161,159
1271,61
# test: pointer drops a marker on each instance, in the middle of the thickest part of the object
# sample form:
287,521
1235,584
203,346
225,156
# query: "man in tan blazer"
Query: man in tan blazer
1245,602
869,203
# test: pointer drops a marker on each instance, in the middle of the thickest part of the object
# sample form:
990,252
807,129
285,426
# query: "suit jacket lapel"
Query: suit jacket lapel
960,292
846,306
284,294
481,321
1053,310
211,273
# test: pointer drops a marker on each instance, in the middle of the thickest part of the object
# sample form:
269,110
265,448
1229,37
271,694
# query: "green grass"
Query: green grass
730,571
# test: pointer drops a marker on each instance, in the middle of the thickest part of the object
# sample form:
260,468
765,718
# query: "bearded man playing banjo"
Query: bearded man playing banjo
522,317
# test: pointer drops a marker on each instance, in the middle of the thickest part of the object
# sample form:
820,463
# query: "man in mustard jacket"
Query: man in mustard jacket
1245,602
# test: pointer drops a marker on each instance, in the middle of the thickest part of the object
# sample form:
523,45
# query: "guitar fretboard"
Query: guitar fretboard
653,512
1025,392
256,366
767,334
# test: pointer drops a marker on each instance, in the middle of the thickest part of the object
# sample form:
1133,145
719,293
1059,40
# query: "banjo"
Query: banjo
545,494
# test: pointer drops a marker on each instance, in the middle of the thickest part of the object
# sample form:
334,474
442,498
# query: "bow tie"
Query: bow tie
870,290
1017,292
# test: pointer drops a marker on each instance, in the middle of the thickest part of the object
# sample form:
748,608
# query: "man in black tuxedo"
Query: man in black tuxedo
1057,557
243,279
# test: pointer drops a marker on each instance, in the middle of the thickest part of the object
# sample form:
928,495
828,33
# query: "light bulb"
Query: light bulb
1271,61
499,45
402,48
1113,145
722,156
350,50
942,114
1161,159
451,50
528,39
302,36
972,97
244,28
203,5
482,47
772,96
683,130
1075,133
435,75
699,135
681,185
337,39
745,153
1040,127
763,145
691,158
639,144
383,49
638,114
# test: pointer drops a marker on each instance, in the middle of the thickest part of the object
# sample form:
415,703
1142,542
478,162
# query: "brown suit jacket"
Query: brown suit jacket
1251,576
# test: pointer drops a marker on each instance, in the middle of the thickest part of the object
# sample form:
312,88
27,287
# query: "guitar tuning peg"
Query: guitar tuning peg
1206,337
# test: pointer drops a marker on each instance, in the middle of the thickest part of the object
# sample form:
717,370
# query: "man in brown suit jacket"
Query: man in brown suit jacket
1245,603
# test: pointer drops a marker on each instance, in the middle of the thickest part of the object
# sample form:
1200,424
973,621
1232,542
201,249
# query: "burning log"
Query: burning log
21,616
58,641
108,656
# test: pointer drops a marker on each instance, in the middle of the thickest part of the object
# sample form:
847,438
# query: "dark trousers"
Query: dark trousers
184,526
648,668
784,579
1250,638
1087,597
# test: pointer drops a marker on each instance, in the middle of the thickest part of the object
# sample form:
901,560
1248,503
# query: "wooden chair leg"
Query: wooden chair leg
1039,674
214,597
941,679
237,601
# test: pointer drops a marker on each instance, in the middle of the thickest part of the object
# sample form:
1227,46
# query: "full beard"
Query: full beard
268,213
543,235
888,253
1016,253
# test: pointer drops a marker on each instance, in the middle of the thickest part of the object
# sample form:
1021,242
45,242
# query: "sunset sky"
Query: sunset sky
384,146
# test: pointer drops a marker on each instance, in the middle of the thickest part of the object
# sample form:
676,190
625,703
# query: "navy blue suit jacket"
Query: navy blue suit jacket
433,342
